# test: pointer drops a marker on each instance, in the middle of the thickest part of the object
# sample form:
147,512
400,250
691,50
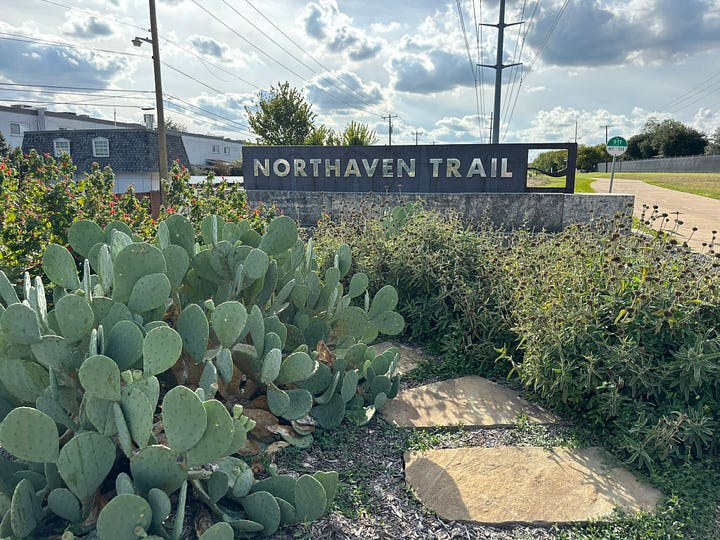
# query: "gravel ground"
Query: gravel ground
373,501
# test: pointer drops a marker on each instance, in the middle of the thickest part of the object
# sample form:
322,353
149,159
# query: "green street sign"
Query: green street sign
616,146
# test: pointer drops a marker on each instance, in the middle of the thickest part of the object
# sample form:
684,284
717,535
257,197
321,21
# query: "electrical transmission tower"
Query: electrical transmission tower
498,67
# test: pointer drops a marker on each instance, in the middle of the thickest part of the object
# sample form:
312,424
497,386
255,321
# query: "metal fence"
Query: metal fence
699,164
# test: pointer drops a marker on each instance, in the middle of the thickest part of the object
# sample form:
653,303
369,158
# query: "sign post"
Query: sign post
616,146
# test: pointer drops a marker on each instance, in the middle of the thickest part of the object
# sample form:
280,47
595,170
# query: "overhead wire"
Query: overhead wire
479,85
306,53
473,68
514,70
263,52
694,90
327,78
536,57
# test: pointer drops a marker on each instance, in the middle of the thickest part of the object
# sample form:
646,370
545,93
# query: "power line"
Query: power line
695,89
306,53
479,89
30,39
537,55
473,68
41,102
88,88
206,111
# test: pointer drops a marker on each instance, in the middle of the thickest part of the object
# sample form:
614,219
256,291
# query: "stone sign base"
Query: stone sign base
533,211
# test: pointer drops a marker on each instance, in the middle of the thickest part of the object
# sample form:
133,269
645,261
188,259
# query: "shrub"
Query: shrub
445,273
226,200
621,329
40,199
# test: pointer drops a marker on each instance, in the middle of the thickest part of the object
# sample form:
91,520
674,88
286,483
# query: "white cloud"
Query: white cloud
326,23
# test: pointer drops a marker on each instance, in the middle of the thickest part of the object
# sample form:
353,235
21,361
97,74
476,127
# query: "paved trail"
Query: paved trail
694,210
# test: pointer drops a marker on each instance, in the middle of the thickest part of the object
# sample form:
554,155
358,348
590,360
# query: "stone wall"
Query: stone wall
700,164
534,211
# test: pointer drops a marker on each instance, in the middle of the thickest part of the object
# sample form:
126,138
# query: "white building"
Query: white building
202,150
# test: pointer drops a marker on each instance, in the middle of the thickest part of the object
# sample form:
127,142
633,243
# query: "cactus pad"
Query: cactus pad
85,461
162,347
184,417
157,467
310,499
59,267
217,436
125,517
228,321
30,435
100,377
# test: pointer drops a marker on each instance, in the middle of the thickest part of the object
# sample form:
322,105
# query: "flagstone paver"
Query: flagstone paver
410,357
505,485
470,401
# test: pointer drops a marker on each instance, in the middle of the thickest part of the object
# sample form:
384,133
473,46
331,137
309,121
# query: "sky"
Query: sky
587,67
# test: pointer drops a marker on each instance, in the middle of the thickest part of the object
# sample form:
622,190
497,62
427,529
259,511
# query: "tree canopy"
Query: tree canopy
281,116
357,133
669,138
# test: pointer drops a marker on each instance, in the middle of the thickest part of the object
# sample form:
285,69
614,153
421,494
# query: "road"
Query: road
692,210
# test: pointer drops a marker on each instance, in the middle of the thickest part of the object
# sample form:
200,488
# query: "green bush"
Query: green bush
621,330
446,275
40,199
616,329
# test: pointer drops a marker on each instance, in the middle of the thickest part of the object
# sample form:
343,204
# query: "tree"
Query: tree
552,161
357,133
672,138
589,156
4,146
640,147
281,116
713,146
174,125
322,136
668,138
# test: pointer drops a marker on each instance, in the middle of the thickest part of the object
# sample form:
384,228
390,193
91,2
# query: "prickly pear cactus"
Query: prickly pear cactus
120,386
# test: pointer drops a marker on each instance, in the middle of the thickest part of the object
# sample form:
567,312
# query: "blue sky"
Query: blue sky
596,63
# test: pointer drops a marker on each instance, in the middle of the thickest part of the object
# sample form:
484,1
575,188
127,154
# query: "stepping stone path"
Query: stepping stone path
510,484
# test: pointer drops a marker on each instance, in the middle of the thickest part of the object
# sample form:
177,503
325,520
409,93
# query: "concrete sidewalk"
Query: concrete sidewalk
692,210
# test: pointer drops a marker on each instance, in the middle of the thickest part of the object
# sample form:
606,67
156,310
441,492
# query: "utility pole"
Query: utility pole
417,133
389,118
156,197
491,128
498,67
606,141
162,141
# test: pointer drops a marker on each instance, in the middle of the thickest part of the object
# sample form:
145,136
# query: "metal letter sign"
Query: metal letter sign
457,168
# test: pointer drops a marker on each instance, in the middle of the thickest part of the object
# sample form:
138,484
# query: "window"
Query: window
61,145
226,150
215,148
101,147
15,129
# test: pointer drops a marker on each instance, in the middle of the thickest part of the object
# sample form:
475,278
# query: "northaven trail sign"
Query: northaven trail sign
457,168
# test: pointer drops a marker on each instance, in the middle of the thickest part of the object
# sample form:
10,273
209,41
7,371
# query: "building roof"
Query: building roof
131,150
33,111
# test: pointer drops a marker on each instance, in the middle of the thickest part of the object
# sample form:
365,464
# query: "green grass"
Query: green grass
704,184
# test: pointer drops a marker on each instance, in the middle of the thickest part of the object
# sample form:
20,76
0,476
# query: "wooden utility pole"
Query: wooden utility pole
417,133
389,118
162,140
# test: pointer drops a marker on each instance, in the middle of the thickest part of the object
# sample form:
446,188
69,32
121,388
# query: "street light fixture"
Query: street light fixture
156,199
